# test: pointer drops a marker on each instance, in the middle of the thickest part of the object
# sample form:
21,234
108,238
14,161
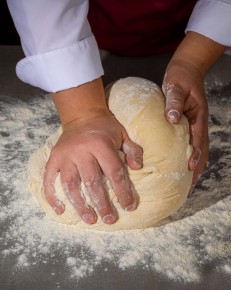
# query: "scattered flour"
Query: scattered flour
199,234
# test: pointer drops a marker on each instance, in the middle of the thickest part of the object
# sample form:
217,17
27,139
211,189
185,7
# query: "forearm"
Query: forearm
198,51
81,103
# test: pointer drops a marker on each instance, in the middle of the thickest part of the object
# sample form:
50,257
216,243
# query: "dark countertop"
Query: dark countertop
113,279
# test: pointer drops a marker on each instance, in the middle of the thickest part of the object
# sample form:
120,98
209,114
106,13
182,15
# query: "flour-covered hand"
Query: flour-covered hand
184,91
86,152
183,86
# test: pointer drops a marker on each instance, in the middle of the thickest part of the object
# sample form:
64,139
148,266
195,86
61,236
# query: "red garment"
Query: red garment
139,27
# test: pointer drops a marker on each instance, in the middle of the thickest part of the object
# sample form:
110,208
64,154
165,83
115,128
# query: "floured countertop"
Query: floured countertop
191,250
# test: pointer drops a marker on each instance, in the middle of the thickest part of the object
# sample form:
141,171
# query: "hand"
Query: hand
183,87
87,150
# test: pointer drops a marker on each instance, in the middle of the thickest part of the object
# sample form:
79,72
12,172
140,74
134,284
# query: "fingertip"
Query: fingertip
59,208
89,218
173,116
131,207
135,164
109,219
191,190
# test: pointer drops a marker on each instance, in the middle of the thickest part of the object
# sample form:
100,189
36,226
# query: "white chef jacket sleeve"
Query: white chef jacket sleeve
61,51
212,18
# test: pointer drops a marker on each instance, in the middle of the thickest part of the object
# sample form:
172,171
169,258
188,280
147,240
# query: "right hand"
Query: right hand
87,150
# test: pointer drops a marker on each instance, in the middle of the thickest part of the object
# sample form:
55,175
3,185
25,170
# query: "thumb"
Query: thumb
133,153
175,98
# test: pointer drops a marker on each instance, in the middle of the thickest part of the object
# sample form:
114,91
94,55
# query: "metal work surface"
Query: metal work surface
191,250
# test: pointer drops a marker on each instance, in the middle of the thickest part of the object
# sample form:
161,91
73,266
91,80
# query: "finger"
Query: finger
50,175
195,157
200,167
117,174
199,140
175,98
71,184
92,178
194,165
196,178
133,154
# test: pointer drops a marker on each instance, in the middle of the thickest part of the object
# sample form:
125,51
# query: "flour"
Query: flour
180,249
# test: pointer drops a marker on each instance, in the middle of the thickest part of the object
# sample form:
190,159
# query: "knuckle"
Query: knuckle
174,93
118,176
53,161
92,182
169,86
174,101
53,154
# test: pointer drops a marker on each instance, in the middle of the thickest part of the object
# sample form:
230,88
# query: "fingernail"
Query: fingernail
131,207
109,219
88,218
173,114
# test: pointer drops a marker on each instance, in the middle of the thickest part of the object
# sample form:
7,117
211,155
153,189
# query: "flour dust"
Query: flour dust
179,249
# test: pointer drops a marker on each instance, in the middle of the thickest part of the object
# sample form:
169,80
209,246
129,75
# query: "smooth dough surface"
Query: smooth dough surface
164,181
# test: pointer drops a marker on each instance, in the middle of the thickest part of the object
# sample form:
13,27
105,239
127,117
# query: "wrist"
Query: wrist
81,103
197,51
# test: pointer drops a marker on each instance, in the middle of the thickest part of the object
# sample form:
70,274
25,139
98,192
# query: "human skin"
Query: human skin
183,86
87,148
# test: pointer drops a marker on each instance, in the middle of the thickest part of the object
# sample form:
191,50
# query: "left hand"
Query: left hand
183,86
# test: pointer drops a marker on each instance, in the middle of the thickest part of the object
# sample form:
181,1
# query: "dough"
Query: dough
164,181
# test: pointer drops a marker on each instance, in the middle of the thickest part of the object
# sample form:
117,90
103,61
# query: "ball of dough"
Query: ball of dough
164,181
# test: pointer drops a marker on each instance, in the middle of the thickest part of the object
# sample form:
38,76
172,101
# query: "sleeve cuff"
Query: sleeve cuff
63,68
212,19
